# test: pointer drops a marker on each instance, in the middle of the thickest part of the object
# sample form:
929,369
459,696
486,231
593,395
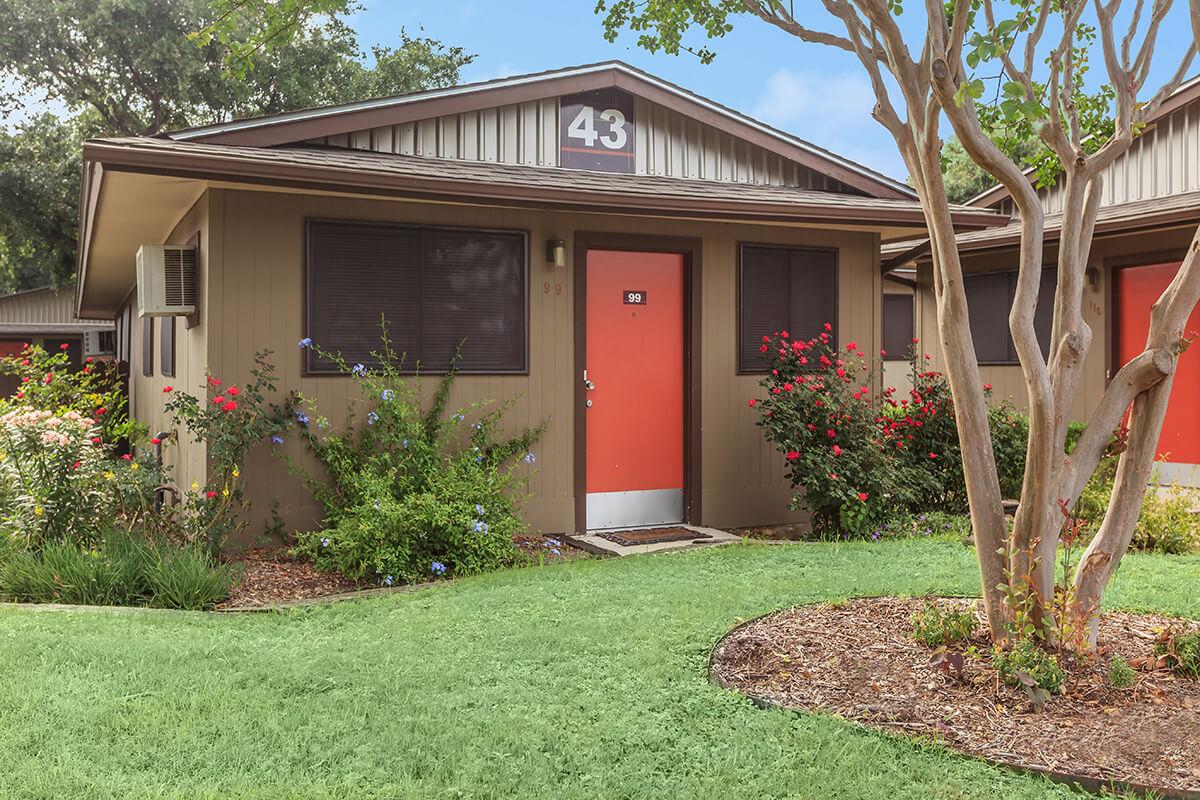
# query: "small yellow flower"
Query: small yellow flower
38,511
225,492
237,473
135,467
195,486
110,475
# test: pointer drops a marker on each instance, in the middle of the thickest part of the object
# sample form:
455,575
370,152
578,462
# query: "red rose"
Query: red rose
230,406
63,346
20,395
762,349
49,377
987,387
233,390
25,362
916,340
792,455
167,389
96,440
25,379
933,455
127,457
783,334
213,382
753,402
828,327
210,495
883,353
88,360
75,465
787,387
156,440
100,411
86,370
837,451
850,348
218,400
831,433
863,496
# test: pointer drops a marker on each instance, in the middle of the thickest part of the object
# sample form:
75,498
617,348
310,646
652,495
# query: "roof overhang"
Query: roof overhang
299,126
137,190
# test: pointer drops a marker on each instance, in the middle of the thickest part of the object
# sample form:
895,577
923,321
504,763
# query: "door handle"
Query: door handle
586,383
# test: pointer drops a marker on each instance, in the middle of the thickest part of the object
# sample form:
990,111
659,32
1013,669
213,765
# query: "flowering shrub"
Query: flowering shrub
857,457
230,420
94,391
410,494
821,413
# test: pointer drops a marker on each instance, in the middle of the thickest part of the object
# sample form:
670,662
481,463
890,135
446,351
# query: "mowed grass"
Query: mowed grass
582,680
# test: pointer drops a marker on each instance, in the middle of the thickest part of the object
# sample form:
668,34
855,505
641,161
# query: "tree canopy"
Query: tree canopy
139,67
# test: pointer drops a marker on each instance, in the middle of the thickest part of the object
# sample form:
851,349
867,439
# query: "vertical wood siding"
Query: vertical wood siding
46,307
147,399
1163,161
667,143
255,301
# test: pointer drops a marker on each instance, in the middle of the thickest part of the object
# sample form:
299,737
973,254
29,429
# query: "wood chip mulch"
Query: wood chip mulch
858,660
270,576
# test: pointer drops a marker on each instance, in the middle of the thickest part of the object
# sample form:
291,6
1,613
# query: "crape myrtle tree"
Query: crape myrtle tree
1040,51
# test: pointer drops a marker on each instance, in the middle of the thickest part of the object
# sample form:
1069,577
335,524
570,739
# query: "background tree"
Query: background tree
1040,48
136,68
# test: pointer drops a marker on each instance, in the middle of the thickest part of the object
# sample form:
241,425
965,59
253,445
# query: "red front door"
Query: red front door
635,389
1136,290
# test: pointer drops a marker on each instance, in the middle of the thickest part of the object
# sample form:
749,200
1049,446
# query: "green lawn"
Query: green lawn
582,680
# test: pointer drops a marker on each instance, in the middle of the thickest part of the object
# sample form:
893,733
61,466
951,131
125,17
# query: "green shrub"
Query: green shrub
935,627
1120,674
1185,654
1166,524
1024,659
122,569
411,493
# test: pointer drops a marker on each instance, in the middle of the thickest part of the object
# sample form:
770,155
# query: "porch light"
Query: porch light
556,252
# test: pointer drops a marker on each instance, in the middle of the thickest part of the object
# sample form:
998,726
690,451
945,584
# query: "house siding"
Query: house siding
667,143
252,265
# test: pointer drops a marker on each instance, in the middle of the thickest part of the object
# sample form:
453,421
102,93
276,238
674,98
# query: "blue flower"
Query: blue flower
324,541
480,526
480,510
359,370
305,342
479,425
437,568
277,439
556,551
386,395
457,418
876,536
301,417
387,581
530,458
372,418
404,444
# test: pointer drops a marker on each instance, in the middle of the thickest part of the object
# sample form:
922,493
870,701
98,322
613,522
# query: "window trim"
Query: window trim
526,265
837,278
147,347
164,325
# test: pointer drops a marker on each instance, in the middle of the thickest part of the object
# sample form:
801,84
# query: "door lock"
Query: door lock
586,383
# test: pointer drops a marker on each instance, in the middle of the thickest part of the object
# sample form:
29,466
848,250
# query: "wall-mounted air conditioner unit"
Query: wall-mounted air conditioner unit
166,276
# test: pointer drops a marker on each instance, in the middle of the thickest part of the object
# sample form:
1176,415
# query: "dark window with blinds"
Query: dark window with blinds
897,326
783,288
989,299
166,347
436,288
147,346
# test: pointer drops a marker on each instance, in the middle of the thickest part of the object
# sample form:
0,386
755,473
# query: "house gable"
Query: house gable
663,130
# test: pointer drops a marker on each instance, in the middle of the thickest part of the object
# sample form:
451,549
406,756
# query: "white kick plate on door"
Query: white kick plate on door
639,509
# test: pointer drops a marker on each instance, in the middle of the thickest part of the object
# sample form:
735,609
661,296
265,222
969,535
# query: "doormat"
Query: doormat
653,536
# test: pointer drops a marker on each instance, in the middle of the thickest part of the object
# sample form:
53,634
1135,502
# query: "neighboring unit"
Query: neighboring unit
46,317
611,247
1149,212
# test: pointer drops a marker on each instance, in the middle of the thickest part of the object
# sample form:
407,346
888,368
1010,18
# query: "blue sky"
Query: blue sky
818,93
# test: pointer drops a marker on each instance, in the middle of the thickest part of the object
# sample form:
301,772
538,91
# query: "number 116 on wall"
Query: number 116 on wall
596,131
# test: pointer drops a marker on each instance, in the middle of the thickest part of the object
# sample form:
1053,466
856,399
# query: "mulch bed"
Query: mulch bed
271,575
858,660
776,533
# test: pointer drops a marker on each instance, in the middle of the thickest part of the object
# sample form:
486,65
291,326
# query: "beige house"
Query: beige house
1148,214
610,246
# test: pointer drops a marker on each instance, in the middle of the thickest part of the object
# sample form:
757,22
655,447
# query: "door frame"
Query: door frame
691,250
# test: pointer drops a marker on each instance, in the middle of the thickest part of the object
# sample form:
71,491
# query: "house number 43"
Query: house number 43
583,127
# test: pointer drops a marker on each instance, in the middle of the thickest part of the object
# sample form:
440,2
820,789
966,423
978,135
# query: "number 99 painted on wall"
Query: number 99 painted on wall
596,131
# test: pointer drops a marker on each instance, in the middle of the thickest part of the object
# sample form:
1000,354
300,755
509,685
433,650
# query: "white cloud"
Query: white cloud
830,109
